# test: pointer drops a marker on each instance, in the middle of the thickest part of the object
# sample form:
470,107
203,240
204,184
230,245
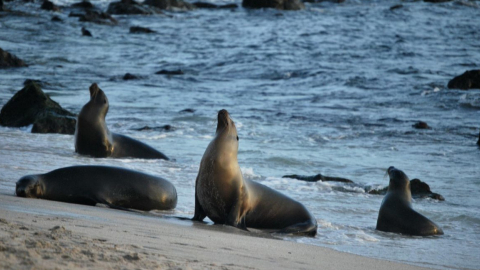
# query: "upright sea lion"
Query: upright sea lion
396,213
225,197
93,138
89,185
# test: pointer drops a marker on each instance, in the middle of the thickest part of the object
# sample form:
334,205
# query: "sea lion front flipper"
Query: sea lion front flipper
199,212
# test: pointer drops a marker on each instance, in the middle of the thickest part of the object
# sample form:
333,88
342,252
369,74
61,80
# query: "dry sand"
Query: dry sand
40,234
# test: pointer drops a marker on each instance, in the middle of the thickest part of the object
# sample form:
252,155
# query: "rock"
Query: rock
139,29
165,128
50,123
468,80
95,16
188,111
418,188
172,5
396,7
170,72
56,19
421,125
129,7
478,142
277,4
31,105
8,60
437,1
2,8
47,5
213,6
85,32
318,177
85,4
319,1
129,76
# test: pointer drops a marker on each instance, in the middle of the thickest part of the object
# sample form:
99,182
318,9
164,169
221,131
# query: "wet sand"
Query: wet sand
40,234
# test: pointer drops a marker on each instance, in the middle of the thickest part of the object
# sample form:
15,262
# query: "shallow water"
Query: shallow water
333,89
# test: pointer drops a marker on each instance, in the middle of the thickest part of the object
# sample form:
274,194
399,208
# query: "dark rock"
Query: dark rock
84,4
129,76
421,125
164,128
172,5
468,80
396,7
319,1
213,6
2,8
418,188
139,29
188,111
318,177
31,105
95,16
47,5
8,60
85,32
437,1
56,19
277,4
50,123
128,7
170,72
478,142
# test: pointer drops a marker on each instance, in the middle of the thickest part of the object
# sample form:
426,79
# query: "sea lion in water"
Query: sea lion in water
222,194
93,138
396,213
89,185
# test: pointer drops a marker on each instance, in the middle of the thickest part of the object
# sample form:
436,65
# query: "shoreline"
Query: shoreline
41,234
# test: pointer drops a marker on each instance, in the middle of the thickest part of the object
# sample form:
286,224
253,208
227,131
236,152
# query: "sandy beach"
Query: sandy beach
40,234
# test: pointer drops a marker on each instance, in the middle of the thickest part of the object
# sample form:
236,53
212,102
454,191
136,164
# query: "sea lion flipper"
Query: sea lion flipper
307,228
199,212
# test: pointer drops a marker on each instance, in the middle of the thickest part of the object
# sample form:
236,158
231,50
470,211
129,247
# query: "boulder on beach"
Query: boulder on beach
468,80
32,106
277,4
8,60
130,7
171,5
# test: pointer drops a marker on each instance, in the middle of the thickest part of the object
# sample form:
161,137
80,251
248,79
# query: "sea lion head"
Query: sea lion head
29,187
226,129
398,180
98,99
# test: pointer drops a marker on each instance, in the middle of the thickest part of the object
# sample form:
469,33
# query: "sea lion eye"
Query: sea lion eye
237,138
104,101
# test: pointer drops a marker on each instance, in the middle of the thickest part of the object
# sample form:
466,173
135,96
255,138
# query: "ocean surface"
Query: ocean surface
332,89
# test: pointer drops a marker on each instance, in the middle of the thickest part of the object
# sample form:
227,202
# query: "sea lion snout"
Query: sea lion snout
223,119
27,187
93,90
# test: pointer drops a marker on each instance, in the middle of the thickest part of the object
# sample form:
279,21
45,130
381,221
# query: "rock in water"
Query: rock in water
130,7
277,4
468,80
175,5
139,30
32,106
8,60
47,5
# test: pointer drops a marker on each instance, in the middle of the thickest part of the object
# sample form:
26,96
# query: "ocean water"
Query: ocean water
333,89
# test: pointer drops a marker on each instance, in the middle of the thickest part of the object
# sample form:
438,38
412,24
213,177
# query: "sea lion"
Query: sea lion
93,138
89,185
396,213
222,194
